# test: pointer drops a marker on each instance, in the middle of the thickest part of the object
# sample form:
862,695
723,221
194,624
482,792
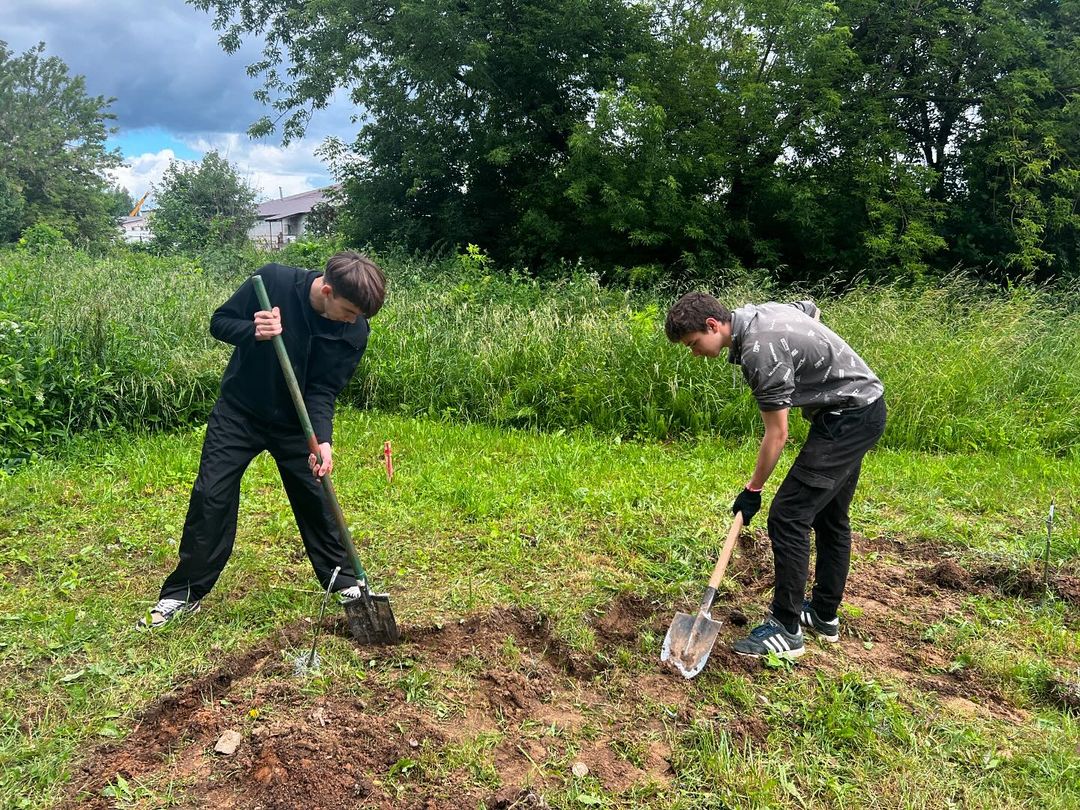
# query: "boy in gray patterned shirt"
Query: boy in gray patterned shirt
789,359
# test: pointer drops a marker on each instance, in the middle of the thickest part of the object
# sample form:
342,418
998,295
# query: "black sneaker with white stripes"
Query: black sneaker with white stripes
771,637
809,618
165,611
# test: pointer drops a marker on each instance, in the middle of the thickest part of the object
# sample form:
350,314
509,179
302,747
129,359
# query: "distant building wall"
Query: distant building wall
135,229
284,220
276,233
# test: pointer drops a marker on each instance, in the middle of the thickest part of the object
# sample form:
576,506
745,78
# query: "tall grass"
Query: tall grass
122,342
118,342
964,367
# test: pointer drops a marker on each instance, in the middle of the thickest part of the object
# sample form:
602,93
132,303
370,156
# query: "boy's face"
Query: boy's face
709,342
339,308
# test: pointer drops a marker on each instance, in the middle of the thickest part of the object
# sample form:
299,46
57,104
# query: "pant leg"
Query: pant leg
857,432
832,533
210,527
790,517
318,529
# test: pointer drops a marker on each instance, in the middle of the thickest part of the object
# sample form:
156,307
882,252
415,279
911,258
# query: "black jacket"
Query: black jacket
324,353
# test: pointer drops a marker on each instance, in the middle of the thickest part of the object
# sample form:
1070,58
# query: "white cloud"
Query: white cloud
143,170
266,167
270,169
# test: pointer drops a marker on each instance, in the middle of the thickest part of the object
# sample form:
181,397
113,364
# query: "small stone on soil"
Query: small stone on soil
228,743
580,769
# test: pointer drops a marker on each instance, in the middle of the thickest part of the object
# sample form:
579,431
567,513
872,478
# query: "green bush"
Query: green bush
29,414
42,238
113,343
310,253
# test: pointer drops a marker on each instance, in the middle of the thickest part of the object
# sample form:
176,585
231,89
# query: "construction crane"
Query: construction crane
138,205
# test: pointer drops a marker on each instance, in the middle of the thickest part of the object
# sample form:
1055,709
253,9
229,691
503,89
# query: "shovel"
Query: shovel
690,639
371,621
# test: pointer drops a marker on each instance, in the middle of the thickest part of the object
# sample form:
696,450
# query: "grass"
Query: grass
479,517
122,343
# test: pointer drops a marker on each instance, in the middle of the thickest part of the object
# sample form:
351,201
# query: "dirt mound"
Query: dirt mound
941,571
623,618
1066,694
1029,583
946,574
519,684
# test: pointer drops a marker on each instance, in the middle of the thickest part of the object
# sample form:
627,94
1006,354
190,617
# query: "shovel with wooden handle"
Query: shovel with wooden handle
371,621
690,639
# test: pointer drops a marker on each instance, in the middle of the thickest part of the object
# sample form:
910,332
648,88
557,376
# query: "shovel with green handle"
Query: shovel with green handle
690,639
371,621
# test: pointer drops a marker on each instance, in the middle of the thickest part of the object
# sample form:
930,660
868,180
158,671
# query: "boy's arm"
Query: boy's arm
772,445
233,322
322,395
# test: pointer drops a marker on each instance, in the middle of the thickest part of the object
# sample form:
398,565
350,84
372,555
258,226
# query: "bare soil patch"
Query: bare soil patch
513,708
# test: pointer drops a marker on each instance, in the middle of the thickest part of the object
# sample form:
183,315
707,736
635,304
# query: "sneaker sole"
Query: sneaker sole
791,655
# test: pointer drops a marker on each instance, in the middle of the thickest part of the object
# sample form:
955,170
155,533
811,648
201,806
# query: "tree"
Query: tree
54,160
120,201
322,219
202,206
817,140
12,209
469,107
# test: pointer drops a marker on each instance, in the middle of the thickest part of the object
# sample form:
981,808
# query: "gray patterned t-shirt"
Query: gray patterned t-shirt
790,360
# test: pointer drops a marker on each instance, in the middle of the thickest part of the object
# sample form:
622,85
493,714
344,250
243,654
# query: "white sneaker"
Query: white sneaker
348,594
165,611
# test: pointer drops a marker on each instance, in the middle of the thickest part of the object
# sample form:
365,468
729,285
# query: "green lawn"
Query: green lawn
561,524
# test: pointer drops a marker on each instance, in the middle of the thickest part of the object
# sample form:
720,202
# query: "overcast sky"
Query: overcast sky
177,93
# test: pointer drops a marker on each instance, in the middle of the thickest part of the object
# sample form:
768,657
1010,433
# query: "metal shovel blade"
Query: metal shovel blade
371,621
689,641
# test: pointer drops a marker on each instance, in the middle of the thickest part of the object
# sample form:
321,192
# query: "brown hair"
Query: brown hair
357,278
690,312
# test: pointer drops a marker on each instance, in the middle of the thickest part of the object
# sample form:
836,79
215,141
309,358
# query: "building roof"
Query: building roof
292,205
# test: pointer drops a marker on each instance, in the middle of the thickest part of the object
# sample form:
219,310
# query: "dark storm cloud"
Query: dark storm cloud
160,60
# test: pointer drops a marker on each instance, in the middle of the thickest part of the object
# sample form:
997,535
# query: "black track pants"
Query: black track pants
232,440
816,494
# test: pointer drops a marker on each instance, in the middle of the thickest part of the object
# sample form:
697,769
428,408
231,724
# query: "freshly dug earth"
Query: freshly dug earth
495,710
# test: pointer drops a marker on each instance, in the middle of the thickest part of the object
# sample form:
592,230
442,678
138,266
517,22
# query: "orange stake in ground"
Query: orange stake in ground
388,455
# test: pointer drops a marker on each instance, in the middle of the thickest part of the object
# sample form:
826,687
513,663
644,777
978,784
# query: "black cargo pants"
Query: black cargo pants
233,439
816,494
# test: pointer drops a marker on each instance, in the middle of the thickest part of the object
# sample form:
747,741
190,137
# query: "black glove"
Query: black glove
748,503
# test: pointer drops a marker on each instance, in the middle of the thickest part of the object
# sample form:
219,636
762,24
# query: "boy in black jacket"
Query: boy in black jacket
323,319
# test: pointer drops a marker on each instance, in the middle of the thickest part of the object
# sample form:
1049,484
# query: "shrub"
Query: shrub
310,253
42,238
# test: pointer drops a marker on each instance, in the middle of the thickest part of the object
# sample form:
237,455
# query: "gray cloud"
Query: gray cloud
160,60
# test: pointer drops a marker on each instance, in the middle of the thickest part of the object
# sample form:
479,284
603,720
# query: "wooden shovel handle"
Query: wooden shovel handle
725,554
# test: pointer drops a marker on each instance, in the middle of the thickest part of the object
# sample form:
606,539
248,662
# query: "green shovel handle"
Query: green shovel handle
309,431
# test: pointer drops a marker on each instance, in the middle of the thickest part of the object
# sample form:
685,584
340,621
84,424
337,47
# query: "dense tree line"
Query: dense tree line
814,139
